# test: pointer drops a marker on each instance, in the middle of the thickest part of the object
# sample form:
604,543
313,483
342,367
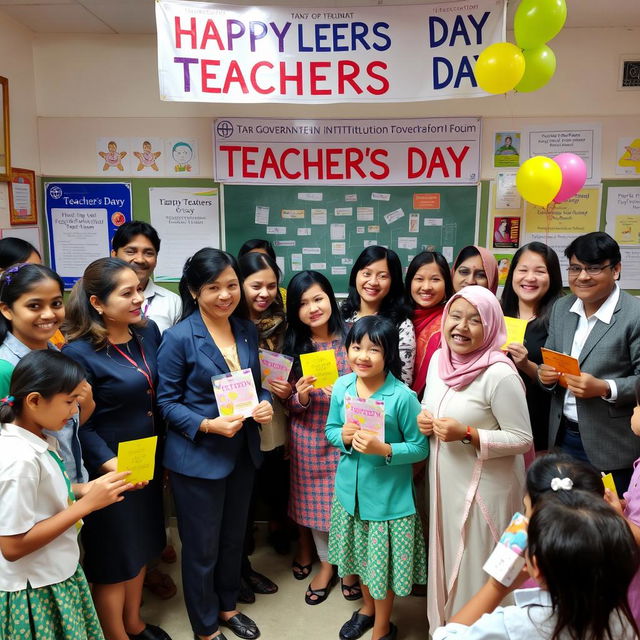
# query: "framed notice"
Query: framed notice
22,197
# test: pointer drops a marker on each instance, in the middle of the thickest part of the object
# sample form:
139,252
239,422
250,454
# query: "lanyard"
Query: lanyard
147,373
71,498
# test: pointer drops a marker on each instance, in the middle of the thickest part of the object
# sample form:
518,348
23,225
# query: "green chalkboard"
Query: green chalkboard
406,219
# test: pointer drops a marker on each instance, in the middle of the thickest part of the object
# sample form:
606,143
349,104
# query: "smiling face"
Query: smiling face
141,255
260,290
182,154
428,286
373,283
315,307
218,299
366,359
463,330
531,279
36,315
122,306
593,290
469,272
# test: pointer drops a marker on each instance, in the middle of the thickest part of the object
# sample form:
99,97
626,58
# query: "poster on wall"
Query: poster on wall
81,220
507,149
623,224
628,157
420,151
551,140
561,224
225,53
186,219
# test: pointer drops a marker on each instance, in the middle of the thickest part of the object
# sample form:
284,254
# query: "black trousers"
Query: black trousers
212,519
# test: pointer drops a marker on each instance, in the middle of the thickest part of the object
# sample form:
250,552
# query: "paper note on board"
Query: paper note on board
560,362
139,457
322,365
515,330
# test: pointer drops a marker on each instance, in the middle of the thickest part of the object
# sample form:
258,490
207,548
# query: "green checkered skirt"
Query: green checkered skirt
62,611
386,554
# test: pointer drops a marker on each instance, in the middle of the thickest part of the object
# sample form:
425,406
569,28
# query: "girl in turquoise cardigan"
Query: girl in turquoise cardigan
375,532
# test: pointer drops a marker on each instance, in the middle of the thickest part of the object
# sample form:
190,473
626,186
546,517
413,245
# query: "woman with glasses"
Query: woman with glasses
533,284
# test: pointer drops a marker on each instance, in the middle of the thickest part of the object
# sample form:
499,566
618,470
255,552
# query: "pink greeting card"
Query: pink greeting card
368,413
273,366
235,393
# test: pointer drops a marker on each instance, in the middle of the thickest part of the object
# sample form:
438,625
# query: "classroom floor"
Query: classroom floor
283,615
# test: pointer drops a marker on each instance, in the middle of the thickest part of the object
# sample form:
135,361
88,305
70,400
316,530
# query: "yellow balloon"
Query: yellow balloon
499,67
538,180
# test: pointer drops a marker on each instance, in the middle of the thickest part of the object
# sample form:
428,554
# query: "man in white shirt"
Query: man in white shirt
138,244
600,326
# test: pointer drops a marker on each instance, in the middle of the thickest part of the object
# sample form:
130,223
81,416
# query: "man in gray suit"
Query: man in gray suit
600,326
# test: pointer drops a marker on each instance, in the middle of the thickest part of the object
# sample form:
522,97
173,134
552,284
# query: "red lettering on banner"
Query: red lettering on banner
352,163
384,82
210,33
307,163
270,163
248,162
283,160
415,173
234,74
254,80
458,159
284,78
230,150
332,164
316,77
348,77
206,75
185,32
438,162
384,173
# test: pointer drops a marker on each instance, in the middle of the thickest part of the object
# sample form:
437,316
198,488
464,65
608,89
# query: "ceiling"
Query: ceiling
137,16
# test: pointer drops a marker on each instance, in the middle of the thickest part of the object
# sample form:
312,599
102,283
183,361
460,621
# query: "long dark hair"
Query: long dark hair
18,280
14,250
201,269
46,372
297,340
382,332
509,300
561,465
393,306
257,243
428,257
587,557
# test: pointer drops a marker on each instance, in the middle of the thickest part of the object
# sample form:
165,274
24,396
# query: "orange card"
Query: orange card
560,362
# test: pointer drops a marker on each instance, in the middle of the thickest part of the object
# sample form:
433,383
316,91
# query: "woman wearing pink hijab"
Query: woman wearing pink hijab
475,265
474,411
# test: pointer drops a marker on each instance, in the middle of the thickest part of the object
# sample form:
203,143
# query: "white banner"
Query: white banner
224,53
422,151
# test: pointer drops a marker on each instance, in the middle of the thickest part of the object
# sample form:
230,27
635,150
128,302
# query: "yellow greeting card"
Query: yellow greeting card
515,330
609,482
322,365
139,457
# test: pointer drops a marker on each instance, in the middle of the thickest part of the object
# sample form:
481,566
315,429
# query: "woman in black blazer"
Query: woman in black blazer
211,458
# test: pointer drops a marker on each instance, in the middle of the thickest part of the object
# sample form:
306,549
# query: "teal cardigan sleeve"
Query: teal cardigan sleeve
415,446
335,419
6,370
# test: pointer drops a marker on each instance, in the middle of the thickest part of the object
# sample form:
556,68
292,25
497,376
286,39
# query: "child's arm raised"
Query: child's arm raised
104,491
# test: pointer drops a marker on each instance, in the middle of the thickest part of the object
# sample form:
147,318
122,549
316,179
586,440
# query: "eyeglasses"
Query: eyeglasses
590,269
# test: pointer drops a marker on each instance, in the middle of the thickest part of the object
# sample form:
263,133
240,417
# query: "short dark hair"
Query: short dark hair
42,371
14,250
203,267
393,306
428,257
509,299
129,230
257,243
382,332
594,248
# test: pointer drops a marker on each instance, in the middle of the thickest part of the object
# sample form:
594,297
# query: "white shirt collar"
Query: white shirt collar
13,430
152,289
606,309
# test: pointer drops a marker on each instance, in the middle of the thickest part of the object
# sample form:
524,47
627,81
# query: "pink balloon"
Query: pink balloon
574,175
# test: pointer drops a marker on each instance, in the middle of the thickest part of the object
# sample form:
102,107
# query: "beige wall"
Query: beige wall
93,86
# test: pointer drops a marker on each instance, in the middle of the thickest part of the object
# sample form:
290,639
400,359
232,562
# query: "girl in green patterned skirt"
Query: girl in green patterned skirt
375,532
43,592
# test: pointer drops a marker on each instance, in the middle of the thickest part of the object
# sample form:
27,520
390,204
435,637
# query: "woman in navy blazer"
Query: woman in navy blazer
211,458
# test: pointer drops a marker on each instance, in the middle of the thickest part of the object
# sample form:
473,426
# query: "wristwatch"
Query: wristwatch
467,436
